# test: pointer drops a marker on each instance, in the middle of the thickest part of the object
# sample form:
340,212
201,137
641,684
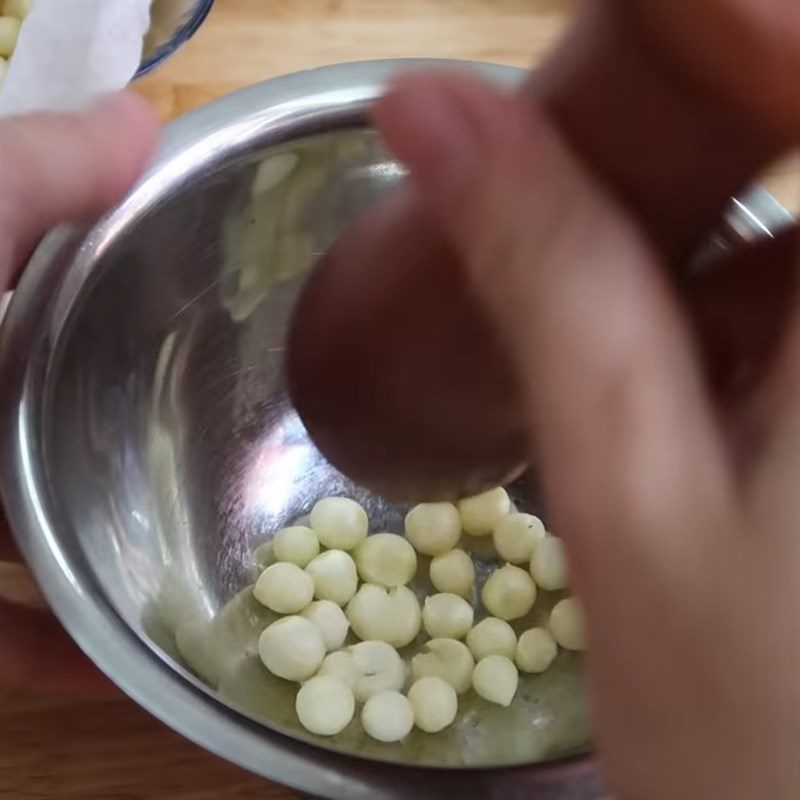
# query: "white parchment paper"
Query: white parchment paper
69,52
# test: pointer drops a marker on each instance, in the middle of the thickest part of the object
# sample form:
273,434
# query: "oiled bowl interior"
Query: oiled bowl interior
175,452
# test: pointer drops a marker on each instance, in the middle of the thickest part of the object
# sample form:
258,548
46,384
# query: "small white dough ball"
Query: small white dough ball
296,544
379,669
434,703
433,528
386,559
549,564
495,679
482,513
389,615
387,717
9,30
331,622
334,575
453,572
342,666
447,616
516,535
447,659
566,624
536,650
509,593
492,637
284,588
324,705
339,522
292,648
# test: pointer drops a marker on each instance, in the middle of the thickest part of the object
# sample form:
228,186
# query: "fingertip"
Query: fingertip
124,104
68,168
446,127
420,121
130,130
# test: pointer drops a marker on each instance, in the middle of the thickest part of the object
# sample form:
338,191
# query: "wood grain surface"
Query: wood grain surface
106,748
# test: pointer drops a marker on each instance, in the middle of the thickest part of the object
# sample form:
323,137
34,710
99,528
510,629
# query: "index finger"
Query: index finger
67,168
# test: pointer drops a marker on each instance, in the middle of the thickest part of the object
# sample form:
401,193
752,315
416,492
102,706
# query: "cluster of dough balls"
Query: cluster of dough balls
334,582
12,13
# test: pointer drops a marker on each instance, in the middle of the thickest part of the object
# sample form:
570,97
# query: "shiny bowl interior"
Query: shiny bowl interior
176,451
150,446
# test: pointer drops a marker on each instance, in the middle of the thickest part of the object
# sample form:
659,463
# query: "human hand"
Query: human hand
671,143
672,480
56,168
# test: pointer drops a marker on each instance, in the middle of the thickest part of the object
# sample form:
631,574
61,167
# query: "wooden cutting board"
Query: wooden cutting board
89,748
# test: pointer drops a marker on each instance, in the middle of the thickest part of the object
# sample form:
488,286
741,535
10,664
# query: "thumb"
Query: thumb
67,168
628,447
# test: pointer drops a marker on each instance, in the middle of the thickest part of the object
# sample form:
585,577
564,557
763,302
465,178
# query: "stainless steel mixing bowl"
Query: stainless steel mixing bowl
148,445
